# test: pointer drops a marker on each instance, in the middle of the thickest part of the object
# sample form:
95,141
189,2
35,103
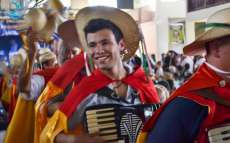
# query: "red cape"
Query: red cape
65,75
69,70
98,80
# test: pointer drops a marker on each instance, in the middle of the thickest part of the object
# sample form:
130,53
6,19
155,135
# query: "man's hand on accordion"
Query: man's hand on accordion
64,138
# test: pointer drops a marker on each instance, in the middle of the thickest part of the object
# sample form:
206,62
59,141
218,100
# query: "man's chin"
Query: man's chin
104,67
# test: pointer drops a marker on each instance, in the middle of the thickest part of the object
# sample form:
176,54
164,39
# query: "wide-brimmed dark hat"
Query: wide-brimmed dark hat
68,33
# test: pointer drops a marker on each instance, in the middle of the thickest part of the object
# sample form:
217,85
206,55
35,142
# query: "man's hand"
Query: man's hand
63,138
32,39
27,69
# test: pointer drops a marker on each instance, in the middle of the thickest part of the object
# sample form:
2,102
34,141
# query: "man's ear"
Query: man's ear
214,49
122,45
217,52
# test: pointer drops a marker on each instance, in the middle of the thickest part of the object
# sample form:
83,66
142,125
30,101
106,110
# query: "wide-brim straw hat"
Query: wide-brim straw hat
41,21
217,26
47,31
34,18
69,35
55,5
121,19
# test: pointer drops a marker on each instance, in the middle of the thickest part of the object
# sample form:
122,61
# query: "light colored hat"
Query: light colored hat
121,19
68,33
35,18
16,60
45,55
218,25
41,21
47,31
55,5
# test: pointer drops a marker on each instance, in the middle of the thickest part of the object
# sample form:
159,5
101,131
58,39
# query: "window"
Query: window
194,5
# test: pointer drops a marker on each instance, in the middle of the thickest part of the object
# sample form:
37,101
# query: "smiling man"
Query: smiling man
105,45
109,42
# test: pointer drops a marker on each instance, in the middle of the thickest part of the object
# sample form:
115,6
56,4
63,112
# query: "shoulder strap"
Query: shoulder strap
109,93
209,94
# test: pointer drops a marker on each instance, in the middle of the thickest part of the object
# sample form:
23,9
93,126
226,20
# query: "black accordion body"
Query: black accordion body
117,123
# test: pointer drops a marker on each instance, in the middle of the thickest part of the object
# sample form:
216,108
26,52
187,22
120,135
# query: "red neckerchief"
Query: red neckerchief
46,73
97,80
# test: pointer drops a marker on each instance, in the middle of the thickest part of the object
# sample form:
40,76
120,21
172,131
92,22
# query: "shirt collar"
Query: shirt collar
217,70
225,74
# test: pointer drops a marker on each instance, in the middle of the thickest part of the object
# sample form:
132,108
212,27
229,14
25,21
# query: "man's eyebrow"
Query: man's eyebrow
104,40
101,41
90,43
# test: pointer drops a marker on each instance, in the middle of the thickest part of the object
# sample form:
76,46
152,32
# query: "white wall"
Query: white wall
166,10
190,31
149,33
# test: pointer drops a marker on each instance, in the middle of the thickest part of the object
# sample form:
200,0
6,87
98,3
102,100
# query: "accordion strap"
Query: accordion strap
209,94
109,93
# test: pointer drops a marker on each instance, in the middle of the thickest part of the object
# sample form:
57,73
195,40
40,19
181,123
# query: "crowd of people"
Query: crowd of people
174,69
93,88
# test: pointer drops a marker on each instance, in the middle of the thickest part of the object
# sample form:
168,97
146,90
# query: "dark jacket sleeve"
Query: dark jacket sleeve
178,123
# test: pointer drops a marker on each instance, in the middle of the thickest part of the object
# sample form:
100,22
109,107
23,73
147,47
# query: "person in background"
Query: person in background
159,70
64,80
189,61
47,59
198,60
30,85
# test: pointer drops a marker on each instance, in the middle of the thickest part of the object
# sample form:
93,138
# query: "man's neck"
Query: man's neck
223,74
118,72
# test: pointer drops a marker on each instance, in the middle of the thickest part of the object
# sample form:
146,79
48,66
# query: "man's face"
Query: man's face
225,56
49,64
104,49
73,52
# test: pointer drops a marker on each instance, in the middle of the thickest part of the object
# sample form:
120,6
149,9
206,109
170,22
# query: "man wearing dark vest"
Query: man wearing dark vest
199,111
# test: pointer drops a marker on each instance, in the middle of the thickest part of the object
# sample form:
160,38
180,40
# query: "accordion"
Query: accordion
117,123
219,134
